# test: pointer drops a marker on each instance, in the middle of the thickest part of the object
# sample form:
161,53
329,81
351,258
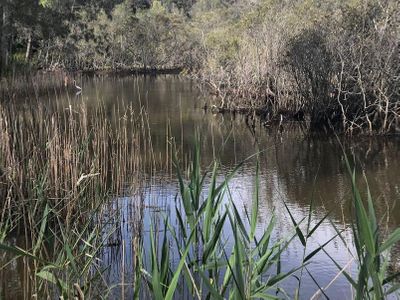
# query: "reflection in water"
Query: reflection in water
295,168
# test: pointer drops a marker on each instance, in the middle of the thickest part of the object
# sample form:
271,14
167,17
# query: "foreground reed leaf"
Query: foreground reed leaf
264,296
210,246
296,226
180,220
155,275
214,293
320,289
20,252
42,229
47,276
310,233
175,278
263,244
274,280
262,262
392,289
165,255
239,221
211,206
238,269
391,240
255,204
311,255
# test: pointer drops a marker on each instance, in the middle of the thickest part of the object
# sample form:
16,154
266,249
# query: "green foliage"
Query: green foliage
249,269
151,38
64,252
46,3
371,251
309,57
73,267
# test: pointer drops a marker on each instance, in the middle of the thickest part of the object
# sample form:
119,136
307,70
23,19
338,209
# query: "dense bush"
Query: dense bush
334,62
124,38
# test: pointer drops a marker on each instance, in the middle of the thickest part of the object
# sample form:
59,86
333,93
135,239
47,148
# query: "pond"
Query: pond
295,168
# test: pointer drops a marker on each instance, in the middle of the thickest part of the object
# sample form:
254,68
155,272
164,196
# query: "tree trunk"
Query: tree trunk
28,47
3,39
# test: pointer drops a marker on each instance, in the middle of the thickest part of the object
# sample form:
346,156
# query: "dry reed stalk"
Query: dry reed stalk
46,151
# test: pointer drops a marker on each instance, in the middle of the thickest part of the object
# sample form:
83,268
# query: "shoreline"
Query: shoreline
18,86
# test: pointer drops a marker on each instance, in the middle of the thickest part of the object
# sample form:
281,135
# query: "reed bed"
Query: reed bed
60,149
34,84
250,267
59,164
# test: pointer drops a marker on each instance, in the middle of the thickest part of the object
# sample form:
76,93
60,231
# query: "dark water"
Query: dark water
294,167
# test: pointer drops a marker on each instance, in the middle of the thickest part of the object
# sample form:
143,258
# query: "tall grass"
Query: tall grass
32,84
371,251
209,266
61,152
61,260
248,264
59,164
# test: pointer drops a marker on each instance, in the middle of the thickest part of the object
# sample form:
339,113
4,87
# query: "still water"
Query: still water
294,167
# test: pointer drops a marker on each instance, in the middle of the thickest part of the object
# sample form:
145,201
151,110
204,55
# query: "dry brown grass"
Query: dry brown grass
59,153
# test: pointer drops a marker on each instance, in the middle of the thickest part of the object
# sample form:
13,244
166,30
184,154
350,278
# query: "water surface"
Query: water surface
295,168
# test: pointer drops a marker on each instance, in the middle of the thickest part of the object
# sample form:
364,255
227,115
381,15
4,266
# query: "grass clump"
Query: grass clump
208,266
210,252
59,164
247,265
371,251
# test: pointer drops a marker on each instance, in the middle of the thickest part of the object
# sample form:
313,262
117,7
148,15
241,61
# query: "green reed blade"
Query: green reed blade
264,296
340,268
296,226
209,210
174,282
214,293
210,245
239,221
239,270
262,262
264,242
274,280
313,253
255,205
20,252
310,233
165,256
42,229
155,275
391,240
317,284
181,224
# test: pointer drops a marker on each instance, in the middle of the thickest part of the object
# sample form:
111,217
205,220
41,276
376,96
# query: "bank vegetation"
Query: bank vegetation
333,63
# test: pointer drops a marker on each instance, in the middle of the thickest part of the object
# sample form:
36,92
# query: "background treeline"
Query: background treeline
334,62
93,35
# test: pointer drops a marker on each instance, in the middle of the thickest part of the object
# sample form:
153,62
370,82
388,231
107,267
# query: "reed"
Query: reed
211,267
59,164
33,84
59,152
372,251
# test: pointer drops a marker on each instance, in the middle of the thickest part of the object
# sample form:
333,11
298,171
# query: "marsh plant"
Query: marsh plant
60,163
56,184
247,265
